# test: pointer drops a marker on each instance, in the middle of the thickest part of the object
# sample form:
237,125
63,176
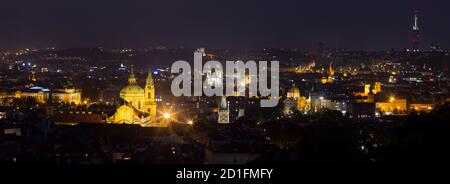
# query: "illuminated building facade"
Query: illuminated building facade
377,88
40,94
393,106
43,95
421,107
314,102
67,95
7,97
369,92
367,88
336,105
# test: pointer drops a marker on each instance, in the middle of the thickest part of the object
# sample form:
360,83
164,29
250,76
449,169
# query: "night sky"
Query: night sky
354,24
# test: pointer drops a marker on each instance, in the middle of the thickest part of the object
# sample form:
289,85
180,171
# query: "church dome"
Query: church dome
132,89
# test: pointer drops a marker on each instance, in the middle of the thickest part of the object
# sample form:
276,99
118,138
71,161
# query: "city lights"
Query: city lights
249,87
392,98
166,115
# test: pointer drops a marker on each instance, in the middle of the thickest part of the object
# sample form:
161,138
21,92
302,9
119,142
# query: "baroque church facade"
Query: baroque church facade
294,100
139,104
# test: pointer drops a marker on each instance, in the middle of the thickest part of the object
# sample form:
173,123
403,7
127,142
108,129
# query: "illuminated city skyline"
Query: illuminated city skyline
206,82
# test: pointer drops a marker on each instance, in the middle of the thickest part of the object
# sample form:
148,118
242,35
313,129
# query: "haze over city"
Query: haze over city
253,24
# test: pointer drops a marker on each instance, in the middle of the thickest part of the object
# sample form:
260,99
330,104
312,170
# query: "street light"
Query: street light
392,98
190,122
166,115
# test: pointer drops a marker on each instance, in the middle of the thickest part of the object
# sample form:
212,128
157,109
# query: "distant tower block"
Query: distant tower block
415,34
224,111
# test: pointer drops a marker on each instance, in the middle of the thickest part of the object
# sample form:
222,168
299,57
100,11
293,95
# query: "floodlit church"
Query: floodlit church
294,100
139,106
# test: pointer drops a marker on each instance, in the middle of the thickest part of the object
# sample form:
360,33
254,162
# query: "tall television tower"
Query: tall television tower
415,35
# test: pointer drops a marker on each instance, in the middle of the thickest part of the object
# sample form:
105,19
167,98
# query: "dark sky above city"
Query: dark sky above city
243,24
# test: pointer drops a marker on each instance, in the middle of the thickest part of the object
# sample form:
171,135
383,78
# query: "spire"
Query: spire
416,21
132,78
415,37
330,69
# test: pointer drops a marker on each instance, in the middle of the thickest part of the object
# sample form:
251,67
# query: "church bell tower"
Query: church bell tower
150,104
